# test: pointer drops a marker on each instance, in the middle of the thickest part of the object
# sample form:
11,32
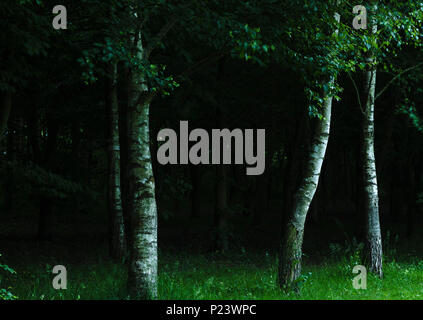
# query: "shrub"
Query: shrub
4,293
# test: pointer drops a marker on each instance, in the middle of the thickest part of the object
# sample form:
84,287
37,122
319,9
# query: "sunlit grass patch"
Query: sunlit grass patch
243,276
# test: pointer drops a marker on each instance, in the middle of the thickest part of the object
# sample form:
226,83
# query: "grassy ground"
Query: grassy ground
191,272
245,276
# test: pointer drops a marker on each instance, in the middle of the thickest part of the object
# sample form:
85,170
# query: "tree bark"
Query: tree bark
123,138
290,255
291,249
117,236
142,277
371,198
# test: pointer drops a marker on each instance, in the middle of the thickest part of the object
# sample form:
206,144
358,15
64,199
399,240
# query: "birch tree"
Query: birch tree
371,197
382,48
291,247
142,276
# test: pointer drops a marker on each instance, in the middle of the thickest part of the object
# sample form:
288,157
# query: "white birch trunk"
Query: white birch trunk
142,277
371,198
291,248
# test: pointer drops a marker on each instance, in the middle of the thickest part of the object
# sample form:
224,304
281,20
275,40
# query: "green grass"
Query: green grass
244,276
186,271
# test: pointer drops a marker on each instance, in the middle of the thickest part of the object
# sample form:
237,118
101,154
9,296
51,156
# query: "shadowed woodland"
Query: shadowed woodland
81,186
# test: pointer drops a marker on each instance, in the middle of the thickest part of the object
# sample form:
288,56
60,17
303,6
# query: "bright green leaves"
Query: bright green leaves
4,293
158,80
409,109
249,44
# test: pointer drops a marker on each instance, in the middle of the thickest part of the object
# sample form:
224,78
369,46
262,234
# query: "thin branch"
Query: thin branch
357,92
203,62
396,77
158,38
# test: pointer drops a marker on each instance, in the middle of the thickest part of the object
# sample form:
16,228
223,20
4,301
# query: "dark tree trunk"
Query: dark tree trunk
34,135
123,139
221,210
195,193
117,237
6,106
45,212
414,174
221,241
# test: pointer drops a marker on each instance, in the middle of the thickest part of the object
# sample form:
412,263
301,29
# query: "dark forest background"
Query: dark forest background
231,64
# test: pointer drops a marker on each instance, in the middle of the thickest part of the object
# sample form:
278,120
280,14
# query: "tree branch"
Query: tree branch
357,92
203,62
396,77
162,33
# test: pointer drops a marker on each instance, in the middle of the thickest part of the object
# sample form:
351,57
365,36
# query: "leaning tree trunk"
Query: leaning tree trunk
370,196
290,255
291,249
142,277
117,227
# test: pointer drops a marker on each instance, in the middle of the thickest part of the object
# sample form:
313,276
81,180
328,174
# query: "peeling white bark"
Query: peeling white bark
142,277
371,198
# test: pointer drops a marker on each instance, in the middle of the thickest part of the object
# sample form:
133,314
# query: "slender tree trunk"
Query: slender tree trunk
290,255
34,135
123,138
46,205
142,277
20,137
291,249
12,156
371,198
117,227
76,137
221,200
5,108
414,169
221,241
221,210
195,193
